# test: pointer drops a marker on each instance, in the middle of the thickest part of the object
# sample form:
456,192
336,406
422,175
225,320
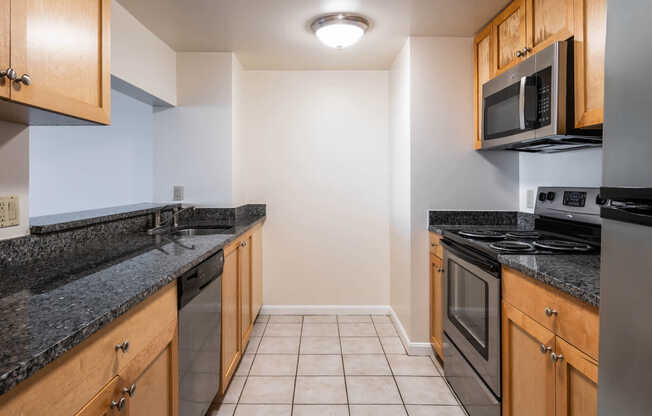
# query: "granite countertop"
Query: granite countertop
47,307
577,275
60,222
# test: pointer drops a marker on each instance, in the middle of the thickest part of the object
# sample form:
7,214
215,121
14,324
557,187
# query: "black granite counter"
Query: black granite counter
576,275
60,222
47,306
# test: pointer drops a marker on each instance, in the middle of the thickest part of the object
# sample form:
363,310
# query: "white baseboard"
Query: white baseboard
412,348
325,310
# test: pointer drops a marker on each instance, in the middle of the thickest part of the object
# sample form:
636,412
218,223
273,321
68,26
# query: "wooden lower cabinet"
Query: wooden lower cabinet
528,371
436,305
241,299
543,375
88,378
577,382
230,317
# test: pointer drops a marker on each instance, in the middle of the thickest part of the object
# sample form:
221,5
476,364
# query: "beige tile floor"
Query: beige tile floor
334,366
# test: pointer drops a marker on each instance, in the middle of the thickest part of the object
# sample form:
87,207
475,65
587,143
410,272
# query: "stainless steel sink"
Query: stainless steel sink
208,230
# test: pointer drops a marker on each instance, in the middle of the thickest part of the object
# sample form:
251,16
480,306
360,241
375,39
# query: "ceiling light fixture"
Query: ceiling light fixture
340,30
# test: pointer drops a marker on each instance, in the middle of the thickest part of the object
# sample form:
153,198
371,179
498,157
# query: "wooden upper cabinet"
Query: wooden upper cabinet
577,382
484,68
436,305
64,46
548,21
589,52
5,15
528,371
509,36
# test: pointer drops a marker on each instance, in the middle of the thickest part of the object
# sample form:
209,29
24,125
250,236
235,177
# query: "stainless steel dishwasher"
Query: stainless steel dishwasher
200,318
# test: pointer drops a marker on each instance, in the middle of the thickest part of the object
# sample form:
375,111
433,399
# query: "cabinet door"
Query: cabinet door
244,266
436,311
528,371
589,51
577,382
548,21
65,48
103,404
509,36
156,388
483,68
256,271
5,15
230,316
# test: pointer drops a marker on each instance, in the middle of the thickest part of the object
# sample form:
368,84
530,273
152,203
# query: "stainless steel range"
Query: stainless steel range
567,221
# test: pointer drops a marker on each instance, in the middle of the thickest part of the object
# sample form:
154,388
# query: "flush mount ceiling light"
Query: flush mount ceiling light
340,30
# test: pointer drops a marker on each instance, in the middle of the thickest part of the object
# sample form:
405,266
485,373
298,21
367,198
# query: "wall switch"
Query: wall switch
177,193
530,198
9,216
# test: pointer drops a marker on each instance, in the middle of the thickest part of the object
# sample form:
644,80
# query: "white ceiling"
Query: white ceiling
274,34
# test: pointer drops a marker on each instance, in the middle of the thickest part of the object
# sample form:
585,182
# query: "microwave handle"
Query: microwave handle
521,103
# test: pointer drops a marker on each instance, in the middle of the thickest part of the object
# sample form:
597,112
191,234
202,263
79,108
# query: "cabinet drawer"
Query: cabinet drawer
72,380
435,245
571,319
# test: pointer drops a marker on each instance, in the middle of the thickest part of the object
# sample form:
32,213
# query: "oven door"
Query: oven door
472,311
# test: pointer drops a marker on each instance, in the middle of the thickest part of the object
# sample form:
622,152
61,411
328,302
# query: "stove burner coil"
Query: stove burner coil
532,235
518,246
562,245
482,234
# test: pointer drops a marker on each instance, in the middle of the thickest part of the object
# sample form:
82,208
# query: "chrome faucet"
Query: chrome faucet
160,226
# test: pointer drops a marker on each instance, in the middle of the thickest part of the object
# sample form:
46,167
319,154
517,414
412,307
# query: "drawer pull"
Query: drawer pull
550,312
124,346
120,404
131,391
556,357
434,244
544,349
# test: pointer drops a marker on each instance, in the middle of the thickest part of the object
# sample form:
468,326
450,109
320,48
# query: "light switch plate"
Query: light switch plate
177,193
9,216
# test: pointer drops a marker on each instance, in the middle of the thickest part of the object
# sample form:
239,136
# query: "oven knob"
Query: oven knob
600,201
551,196
542,197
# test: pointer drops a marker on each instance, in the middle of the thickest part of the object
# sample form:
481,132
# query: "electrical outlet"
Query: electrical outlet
177,193
530,198
9,211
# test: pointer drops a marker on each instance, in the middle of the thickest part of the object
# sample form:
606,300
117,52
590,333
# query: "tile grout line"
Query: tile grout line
296,371
391,370
255,354
346,388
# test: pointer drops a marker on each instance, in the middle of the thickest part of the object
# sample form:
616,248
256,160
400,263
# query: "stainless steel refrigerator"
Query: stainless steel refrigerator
625,372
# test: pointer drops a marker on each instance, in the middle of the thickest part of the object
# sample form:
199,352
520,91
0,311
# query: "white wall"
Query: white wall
445,171
140,58
317,152
14,173
576,168
192,142
74,168
399,146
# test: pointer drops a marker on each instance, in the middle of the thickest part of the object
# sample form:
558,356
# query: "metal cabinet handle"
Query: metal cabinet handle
124,346
519,54
13,75
550,312
525,50
131,391
440,270
4,73
120,404
544,349
434,244
243,244
556,357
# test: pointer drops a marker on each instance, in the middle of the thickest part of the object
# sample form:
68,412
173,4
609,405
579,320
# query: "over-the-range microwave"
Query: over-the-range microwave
530,107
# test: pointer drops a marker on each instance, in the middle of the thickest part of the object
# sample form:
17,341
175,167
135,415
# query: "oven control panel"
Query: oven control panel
573,204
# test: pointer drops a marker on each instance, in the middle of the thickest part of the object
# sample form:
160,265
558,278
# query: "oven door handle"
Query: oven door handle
472,257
